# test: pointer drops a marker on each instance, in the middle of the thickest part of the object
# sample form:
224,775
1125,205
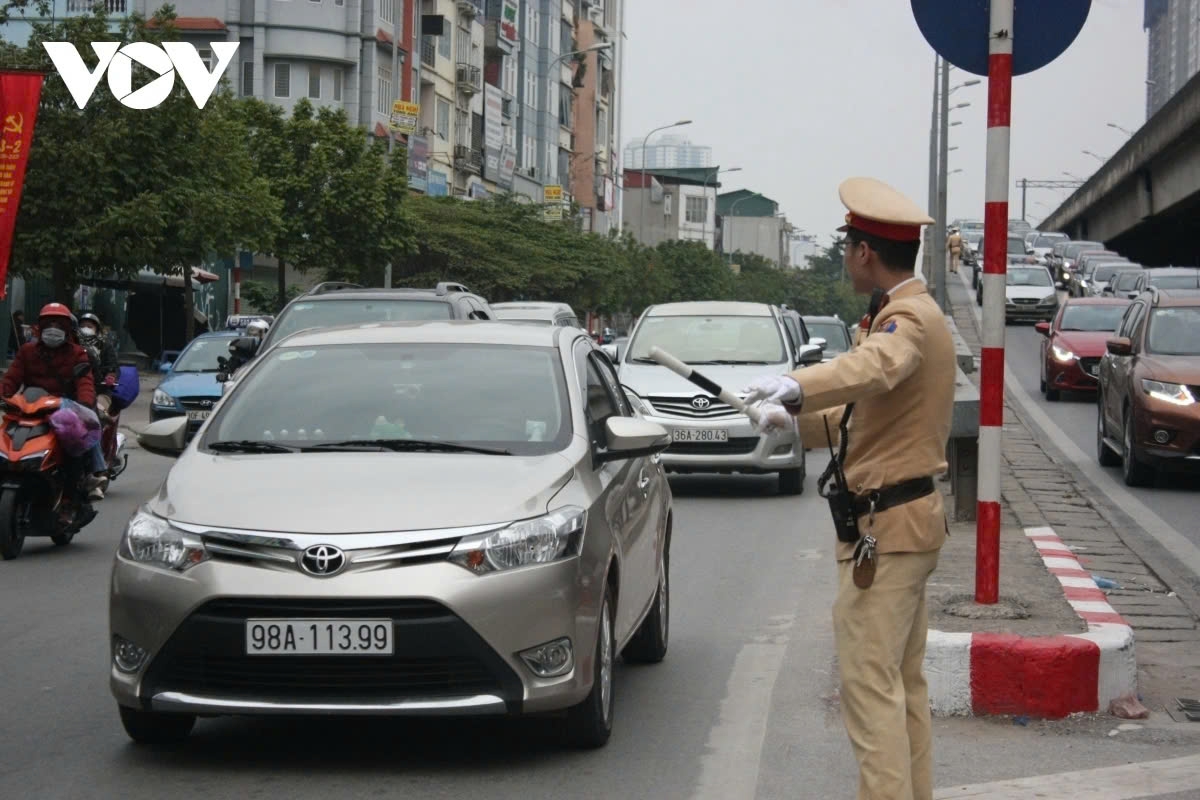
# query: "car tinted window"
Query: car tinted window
600,404
1174,332
614,386
1048,239
793,330
1091,318
834,334
711,338
403,391
202,354
353,311
1016,246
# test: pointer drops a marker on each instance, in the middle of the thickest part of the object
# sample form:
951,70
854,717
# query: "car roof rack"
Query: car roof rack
332,286
446,287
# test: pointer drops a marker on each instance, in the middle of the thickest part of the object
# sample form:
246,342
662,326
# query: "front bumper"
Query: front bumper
1181,423
164,412
1029,313
743,450
457,638
1078,375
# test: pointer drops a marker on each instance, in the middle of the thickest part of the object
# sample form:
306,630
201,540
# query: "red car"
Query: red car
1074,341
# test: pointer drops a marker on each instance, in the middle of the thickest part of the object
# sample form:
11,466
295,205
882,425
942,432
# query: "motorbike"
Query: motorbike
112,441
40,490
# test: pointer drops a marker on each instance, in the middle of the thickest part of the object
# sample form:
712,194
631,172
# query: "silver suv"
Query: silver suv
731,343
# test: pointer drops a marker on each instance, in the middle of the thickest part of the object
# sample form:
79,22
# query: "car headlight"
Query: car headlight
1083,282
1063,354
554,537
1174,393
639,405
161,398
1049,300
151,540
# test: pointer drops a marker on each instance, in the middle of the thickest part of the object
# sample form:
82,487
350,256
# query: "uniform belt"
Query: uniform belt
891,496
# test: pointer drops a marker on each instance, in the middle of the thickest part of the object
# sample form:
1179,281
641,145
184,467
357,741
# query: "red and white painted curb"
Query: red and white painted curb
1040,676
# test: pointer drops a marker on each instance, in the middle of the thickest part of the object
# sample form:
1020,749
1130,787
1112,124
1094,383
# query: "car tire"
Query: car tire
1104,454
791,481
156,727
589,724
1133,471
649,644
12,538
1052,395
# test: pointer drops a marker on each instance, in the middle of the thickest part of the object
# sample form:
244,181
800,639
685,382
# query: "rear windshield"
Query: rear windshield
331,313
834,334
1028,277
1016,246
1075,248
1175,281
1105,273
1048,239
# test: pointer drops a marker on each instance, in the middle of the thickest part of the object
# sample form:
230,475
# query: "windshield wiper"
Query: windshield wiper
728,361
249,446
643,360
407,445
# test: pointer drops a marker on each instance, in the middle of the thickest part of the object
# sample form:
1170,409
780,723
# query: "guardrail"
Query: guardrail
962,451
962,351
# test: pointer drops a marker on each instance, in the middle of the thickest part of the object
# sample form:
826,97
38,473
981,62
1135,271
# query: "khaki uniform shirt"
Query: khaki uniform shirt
955,242
901,379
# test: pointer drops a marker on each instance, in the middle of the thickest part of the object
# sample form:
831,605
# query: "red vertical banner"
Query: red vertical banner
20,94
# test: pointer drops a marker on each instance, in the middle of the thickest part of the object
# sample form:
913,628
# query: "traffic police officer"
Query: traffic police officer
954,244
901,383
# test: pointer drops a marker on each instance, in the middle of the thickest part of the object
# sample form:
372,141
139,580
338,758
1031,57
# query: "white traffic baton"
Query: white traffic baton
687,373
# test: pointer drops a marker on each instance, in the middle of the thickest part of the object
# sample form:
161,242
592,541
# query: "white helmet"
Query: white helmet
257,328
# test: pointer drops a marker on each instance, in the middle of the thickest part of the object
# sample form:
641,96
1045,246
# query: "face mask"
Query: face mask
87,331
53,337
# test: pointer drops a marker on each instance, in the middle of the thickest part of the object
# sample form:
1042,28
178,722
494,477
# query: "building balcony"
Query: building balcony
468,159
469,79
499,38
85,6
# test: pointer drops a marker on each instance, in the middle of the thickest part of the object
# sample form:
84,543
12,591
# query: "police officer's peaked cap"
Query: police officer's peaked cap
879,210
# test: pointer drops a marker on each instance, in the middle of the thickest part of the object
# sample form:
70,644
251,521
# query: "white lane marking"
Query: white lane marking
730,768
1126,782
1076,582
1099,606
1180,546
1053,562
1056,547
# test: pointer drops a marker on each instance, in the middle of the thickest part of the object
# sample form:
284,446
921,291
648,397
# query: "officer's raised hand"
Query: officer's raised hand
772,418
774,389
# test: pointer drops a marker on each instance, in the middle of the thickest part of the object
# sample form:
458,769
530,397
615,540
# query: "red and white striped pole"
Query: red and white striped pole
995,263
237,287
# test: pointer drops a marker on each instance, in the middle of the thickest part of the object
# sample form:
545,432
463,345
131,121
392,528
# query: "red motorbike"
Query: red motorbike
41,493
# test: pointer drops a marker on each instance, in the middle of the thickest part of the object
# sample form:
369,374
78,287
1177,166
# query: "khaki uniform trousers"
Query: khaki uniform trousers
954,258
880,634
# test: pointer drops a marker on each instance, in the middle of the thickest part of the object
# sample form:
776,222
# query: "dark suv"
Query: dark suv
1169,278
334,303
1149,399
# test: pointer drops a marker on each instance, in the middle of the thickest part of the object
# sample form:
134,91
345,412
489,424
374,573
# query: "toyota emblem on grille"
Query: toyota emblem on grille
323,560
701,402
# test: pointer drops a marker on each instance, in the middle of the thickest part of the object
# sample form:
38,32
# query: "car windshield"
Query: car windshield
701,339
1092,318
1075,248
1103,274
350,311
1175,281
834,334
974,238
1028,277
1174,332
202,354
435,395
1048,239
1016,246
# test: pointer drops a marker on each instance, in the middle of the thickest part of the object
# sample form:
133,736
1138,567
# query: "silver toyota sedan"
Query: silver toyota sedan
421,519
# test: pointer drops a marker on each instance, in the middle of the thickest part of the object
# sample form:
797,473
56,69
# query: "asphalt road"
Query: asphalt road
741,708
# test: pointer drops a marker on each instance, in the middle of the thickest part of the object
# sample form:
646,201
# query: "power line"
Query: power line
1026,183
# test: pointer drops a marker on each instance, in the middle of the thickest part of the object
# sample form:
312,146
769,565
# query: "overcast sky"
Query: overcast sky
804,93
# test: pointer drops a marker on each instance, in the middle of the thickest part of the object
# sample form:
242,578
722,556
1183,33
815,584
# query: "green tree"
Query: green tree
18,8
261,297
829,263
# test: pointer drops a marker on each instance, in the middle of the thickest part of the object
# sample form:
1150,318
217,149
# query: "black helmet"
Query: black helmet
90,317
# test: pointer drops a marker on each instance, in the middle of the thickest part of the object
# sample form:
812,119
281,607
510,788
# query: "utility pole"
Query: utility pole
397,28
933,169
1025,184
939,233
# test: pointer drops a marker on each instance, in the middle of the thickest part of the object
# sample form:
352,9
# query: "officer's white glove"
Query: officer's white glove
773,418
774,389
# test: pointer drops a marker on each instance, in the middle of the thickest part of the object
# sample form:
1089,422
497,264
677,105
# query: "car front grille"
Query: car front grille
1025,301
735,446
198,403
684,407
436,654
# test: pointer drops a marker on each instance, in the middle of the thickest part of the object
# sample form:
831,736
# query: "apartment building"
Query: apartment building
593,159
671,204
750,222
1173,48
667,151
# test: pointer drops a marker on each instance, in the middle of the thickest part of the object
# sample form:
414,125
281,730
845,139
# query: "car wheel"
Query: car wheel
791,481
1051,394
649,644
1133,471
589,724
1104,454
156,727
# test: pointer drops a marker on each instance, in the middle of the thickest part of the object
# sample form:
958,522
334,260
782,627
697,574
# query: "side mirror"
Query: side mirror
166,366
167,437
610,350
810,354
819,342
1043,328
1119,346
1131,295
222,377
629,437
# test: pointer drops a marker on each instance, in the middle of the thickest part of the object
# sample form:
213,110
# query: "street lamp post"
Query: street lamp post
1099,158
1114,125
704,230
939,233
646,188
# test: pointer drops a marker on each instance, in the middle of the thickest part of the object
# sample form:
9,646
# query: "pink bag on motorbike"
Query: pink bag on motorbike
76,427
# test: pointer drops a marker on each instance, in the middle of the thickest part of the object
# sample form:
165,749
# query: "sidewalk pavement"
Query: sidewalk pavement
1045,664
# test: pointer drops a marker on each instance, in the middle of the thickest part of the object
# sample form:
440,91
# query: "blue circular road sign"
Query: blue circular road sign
1042,30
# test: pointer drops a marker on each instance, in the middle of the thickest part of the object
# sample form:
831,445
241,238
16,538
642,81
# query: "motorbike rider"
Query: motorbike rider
51,364
256,329
104,372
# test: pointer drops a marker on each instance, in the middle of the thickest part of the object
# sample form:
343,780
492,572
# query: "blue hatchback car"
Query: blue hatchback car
190,384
